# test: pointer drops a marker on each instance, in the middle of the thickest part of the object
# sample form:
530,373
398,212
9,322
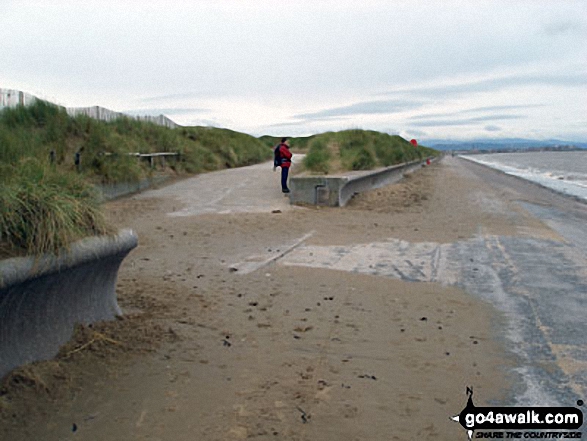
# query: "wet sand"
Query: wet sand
212,352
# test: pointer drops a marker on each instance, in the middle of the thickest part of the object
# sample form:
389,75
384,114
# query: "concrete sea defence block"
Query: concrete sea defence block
316,190
43,297
336,191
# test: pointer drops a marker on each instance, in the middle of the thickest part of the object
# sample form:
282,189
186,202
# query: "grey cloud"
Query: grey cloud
494,84
475,110
206,122
492,128
305,121
363,108
498,108
465,121
171,97
286,124
560,28
415,133
165,111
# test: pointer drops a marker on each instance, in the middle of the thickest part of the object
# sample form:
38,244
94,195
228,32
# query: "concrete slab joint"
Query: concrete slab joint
336,191
43,297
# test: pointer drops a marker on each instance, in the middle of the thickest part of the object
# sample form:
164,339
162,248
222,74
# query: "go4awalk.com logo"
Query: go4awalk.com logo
520,422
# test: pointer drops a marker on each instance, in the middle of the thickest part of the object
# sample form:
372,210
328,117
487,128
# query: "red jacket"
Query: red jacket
285,156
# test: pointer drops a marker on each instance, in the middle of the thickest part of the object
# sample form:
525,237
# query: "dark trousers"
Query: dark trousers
284,173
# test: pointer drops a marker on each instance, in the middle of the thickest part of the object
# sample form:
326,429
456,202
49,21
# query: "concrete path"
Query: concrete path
253,189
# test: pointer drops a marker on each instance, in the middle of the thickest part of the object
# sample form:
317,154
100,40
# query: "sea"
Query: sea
564,172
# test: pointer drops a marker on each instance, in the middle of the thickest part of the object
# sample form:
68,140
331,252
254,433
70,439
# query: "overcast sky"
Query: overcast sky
424,69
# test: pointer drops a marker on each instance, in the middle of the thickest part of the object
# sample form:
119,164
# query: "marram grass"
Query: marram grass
43,210
44,207
360,150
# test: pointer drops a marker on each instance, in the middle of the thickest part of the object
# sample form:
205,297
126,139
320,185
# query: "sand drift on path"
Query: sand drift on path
366,322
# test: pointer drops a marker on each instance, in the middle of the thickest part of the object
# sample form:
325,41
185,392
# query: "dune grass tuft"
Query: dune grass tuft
43,210
318,157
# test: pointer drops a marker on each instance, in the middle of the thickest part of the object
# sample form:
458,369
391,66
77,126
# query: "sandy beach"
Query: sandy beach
279,323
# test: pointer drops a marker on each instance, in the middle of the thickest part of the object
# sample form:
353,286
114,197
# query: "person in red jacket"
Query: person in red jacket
285,163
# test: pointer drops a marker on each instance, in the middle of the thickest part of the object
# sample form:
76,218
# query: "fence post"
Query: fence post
78,161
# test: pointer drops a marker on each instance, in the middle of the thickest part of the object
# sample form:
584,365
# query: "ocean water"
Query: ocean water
565,172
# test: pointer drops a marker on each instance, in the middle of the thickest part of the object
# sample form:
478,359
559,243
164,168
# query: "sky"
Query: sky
428,69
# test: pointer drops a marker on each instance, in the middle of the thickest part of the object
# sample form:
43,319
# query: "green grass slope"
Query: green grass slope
333,152
46,201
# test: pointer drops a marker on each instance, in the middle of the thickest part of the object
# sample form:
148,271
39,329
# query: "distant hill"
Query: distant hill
504,144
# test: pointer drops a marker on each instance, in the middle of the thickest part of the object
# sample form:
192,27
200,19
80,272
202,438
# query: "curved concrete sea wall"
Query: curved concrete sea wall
378,179
42,298
336,191
113,191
